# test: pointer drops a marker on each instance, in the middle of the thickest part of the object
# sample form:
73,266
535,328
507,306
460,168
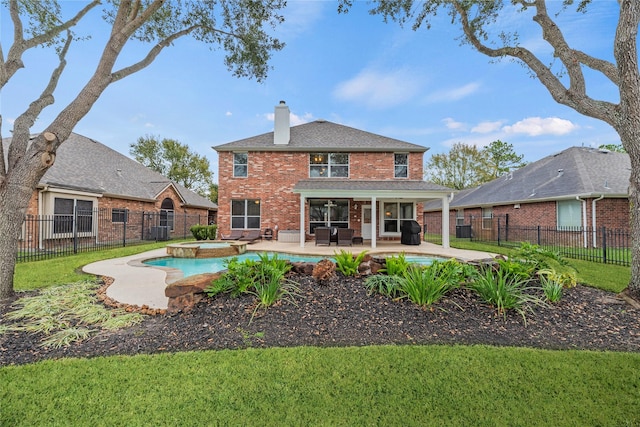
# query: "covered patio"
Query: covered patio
373,195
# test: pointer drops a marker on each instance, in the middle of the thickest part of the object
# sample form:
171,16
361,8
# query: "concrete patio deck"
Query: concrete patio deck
139,284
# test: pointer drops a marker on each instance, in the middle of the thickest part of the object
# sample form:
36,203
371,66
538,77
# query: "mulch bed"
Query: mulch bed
341,313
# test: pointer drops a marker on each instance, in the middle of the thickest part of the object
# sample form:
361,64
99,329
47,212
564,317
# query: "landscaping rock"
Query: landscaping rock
185,293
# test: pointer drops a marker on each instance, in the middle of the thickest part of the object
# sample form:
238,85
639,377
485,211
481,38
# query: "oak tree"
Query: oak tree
240,28
491,27
174,160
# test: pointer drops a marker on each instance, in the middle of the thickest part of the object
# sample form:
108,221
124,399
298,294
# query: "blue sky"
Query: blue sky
419,86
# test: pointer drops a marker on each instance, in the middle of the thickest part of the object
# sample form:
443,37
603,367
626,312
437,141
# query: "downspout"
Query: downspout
593,219
584,220
40,213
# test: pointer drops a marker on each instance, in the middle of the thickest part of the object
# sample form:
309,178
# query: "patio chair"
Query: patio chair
344,236
251,236
323,236
235,235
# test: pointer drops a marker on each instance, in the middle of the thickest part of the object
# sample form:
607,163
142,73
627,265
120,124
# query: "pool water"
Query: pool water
193,266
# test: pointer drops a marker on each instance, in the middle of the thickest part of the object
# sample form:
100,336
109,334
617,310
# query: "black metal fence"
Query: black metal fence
605,245
47,236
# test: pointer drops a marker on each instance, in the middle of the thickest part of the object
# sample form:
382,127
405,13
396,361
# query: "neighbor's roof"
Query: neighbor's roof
83,164
325,136
576,171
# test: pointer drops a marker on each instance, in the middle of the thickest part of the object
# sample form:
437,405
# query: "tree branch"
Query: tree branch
25,121
575,96
20,45
151,56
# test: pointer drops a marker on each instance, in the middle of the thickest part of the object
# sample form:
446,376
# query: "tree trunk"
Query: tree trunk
634,216
11,218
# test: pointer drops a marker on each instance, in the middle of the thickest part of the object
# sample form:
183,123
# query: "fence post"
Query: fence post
74,226
604,245
538,235
498,231
124,226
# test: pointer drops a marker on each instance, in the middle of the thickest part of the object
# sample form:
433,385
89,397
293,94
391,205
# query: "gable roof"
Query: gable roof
576,171
324,136
83,164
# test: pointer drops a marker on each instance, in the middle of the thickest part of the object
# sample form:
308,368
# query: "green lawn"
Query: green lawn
383,385
376,385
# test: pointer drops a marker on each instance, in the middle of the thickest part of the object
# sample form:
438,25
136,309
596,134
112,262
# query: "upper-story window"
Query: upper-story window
329,165
240,165
401,165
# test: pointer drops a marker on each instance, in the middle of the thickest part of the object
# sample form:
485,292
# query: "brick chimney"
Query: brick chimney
281,127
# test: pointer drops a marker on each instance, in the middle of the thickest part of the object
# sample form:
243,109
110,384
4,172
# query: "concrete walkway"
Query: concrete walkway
139,284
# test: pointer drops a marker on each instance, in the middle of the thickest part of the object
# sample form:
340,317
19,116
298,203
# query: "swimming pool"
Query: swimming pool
193,266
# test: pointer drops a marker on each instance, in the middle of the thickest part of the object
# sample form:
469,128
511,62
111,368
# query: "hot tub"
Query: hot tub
206,249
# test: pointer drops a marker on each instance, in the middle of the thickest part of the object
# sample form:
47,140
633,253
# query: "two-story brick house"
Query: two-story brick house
295,179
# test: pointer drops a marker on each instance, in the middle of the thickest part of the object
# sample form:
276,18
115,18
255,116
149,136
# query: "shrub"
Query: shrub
505,290
212,231
347,263
204,232
425,285
383,284
396,265
199,232
264,279
553,283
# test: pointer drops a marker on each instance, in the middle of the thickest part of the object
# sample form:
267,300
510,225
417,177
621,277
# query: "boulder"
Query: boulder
183,294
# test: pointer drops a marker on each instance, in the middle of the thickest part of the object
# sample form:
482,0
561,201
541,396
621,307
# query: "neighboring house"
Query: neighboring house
322,174
89,179
578,188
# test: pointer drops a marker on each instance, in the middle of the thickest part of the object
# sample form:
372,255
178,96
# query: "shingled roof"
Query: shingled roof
322,135
576,171
83,164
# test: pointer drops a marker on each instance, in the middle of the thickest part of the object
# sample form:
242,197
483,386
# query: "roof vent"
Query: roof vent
560,172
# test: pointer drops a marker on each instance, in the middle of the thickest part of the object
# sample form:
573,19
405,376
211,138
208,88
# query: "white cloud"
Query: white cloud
452,124
379,89
486,127
228,114
300,17
149,125
535,126
454,94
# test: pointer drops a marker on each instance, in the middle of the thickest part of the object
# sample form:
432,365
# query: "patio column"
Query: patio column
303,236
445,222
374,222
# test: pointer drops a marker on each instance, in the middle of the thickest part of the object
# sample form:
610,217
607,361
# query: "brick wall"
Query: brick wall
272,176
610,213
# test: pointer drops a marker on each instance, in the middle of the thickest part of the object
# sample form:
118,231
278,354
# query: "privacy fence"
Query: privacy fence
605,245
47,236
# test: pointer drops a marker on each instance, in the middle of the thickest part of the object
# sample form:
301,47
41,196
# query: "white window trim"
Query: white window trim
395,164
381,216
329,164
240,164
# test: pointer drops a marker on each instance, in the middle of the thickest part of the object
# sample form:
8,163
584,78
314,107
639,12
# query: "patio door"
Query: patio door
366,222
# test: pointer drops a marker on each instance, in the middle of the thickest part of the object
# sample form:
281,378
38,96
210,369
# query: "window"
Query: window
240,165
64,211
394,214
119,215
166,213
487,218
569,214
401,165
460,217
329,165
328,213
245,214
